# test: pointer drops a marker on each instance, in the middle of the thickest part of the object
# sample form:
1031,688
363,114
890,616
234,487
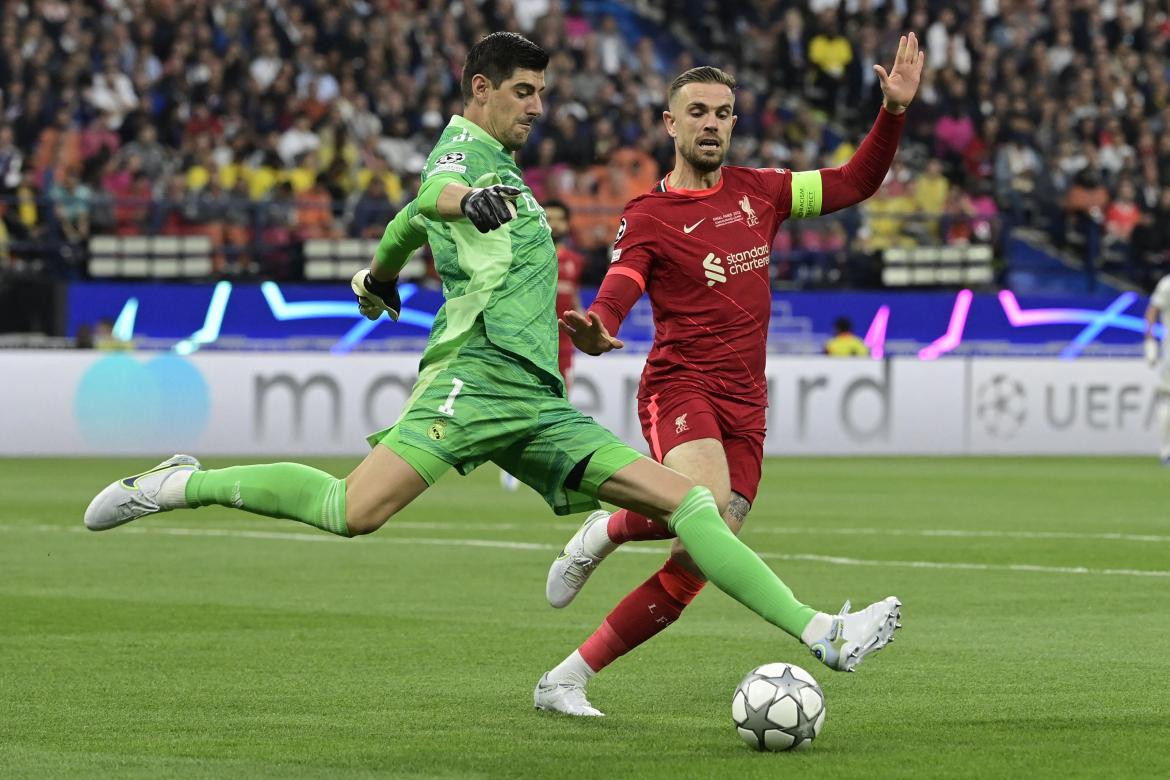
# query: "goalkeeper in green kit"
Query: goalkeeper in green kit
488,386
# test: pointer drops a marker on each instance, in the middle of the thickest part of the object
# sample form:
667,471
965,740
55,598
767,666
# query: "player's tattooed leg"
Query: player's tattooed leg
737,510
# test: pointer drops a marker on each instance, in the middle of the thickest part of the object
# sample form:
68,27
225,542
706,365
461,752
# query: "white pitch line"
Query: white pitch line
289,536
416,525
961,534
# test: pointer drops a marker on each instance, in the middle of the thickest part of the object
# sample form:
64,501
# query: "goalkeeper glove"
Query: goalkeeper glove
375,297
489,207
1151,347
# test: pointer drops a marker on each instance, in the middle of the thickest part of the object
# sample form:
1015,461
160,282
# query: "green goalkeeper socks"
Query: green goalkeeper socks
733,567
288,490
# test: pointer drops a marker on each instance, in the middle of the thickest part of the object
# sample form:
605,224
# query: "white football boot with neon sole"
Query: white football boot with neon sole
157,490
572,568
854,635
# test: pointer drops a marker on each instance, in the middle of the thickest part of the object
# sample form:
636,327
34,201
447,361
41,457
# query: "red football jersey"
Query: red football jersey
703,257
570,264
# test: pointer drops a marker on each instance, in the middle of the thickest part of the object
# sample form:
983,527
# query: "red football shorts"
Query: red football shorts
673,415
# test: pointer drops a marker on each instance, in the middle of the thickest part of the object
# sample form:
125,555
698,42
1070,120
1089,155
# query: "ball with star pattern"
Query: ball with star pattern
778,707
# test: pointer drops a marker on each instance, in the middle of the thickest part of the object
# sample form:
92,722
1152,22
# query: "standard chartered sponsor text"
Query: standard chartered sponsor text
749,260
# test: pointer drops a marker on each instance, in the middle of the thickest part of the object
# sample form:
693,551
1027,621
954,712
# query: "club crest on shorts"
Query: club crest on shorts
438,429
680,423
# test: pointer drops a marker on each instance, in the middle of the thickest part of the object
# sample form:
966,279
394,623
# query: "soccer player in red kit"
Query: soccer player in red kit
700,245
570,264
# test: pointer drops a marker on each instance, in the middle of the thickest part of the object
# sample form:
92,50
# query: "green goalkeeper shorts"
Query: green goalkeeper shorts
485,404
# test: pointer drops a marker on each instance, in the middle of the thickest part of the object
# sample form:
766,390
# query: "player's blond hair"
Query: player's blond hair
704,74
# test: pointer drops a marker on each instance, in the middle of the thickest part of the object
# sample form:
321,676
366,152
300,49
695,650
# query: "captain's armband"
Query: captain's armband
807,194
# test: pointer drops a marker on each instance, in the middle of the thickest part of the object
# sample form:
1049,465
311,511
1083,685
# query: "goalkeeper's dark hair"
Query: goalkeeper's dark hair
497,56
704,74
553,203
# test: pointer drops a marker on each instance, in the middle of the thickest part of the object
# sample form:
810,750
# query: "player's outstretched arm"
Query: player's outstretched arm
376,287
588,333
831,189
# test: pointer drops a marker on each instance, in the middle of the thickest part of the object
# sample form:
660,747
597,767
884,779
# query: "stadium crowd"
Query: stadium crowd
262,123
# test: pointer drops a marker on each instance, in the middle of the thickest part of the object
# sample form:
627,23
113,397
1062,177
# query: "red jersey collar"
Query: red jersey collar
665,187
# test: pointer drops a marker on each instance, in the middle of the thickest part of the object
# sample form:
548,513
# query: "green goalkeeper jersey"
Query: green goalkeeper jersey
507,276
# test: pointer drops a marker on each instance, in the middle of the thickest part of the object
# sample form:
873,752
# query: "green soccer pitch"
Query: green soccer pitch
215,644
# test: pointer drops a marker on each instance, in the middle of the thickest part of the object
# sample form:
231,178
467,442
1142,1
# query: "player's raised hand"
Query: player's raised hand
901,83
490,207
588,334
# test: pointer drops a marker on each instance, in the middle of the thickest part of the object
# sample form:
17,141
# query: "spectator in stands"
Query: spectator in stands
154,159
1121,217
611,46
844,343
830,52
137,206
172,212
297,140
958,220
240,217
372,211
71,201
279,226
314,212
58,149
112,92
28,223
955,132
1017,166
270,81
99,138
930,197
887,214
5,255
11,160
863,88
303,175
1085,212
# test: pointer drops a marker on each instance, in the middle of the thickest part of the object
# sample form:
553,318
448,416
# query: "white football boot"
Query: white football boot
157,490
566,697
572,568
854,635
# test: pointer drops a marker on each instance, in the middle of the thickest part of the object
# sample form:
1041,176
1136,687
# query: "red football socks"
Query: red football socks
626,526
647,610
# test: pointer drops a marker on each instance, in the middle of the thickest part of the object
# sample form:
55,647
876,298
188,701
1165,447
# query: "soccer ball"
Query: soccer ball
778,707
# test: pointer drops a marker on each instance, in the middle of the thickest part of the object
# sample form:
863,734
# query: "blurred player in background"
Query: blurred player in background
1159,308
570,264
488,385
700,245
845,342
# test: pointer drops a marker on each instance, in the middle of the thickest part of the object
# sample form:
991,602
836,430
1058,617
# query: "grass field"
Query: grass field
213,643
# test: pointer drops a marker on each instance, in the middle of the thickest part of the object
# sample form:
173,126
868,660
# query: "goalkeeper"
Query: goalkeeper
488,385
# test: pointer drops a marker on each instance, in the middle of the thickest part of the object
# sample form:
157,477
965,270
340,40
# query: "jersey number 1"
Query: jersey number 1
448,407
